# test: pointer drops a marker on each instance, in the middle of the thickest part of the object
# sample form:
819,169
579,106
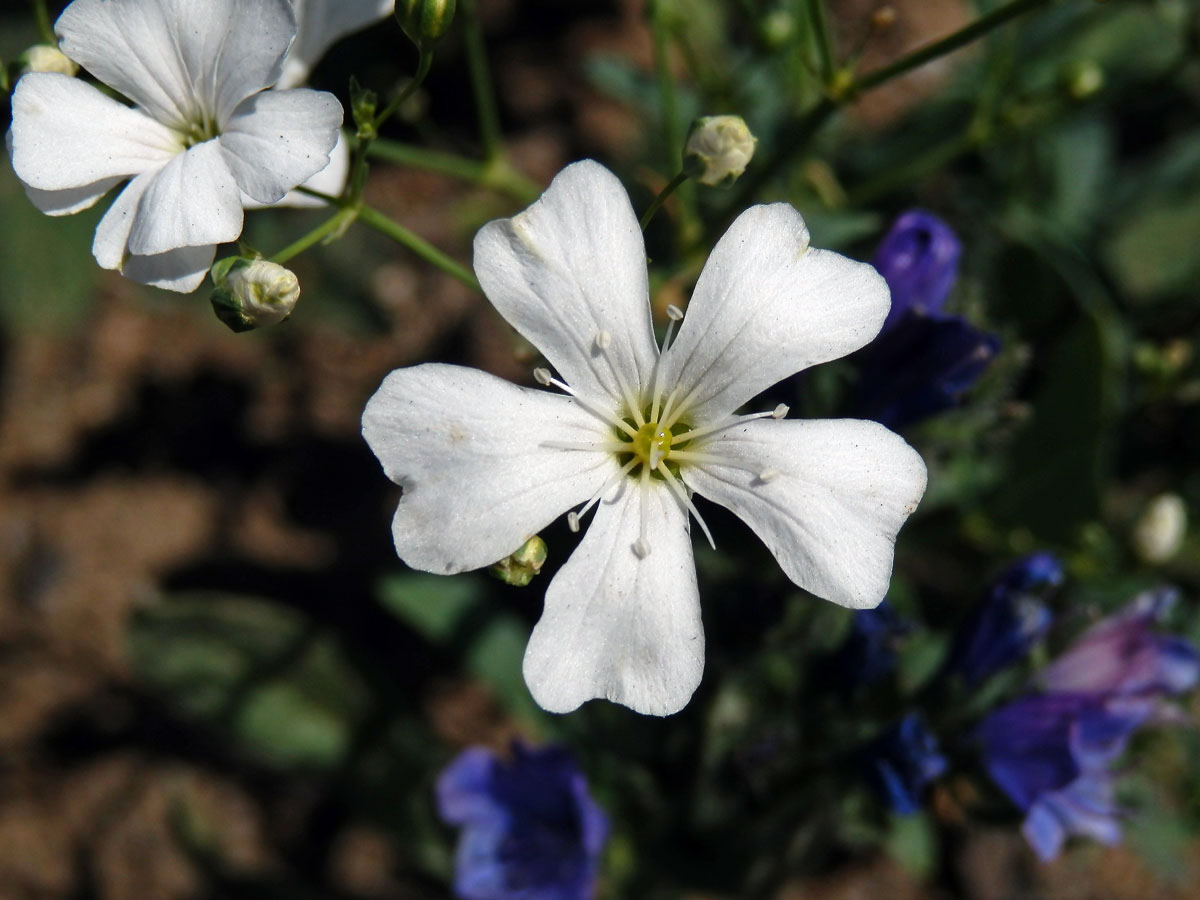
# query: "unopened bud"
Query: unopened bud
425,21
718,150
1082,79
48,58
250,293
520,568
363,104
1160,529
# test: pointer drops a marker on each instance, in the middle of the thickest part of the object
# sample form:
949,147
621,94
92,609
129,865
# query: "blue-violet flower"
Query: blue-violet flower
531,830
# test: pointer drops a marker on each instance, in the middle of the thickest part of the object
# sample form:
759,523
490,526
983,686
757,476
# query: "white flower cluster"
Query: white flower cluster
203,138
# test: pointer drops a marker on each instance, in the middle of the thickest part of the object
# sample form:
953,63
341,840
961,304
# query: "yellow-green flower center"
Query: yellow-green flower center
652,444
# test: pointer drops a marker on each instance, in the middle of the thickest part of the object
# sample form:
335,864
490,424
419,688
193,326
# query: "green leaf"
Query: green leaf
431,605
265,673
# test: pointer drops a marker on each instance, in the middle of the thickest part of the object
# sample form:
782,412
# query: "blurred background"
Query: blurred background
218,681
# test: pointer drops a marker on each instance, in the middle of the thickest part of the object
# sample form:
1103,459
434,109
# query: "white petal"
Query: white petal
618,626
569,268
767,306
180,59
110,245
278,139
72,200
179,270
835,495
320,23
468,450
330,180
192,201
66,135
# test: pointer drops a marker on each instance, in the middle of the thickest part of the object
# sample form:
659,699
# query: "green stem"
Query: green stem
423,63
417,244
822,39
948,44
45,29
481,81
658,201
335,223
497,175
794,135
672,134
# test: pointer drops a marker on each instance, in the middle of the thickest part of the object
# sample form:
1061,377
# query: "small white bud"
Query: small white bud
48,58
251,293
718,150
1159,531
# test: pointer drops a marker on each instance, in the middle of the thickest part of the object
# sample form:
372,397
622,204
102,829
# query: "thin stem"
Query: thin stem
45,29
822,39
496,175
948,44
417,244
424,61
658,201
481,81
794,135
672,134
339,221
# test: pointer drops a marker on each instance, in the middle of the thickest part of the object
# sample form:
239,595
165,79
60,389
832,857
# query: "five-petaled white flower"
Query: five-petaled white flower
202,132
484,464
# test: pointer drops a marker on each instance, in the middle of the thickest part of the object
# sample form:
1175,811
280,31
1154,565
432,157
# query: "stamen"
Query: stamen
780,411
603,446
544,378
731,422
675,314
768,475
693,456
609,482
603,339
670,419
681,493
641,547
656,456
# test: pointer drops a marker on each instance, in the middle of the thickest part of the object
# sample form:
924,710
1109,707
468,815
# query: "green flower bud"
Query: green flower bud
1082,79
250,293
520,568
425,21
718,150
363,106
48,58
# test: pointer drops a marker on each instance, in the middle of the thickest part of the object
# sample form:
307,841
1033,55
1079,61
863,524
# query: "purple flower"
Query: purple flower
902,762
869,651
923,361
531,830
1123,655
920,367
1051,754
919,259
1010,621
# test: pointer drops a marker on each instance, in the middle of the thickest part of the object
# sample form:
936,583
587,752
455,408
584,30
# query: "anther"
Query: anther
768,475
542,376
674,313
573,521
603,339
640,548
780,411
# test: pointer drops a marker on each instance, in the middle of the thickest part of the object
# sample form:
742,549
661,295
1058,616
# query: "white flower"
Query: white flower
201,133
484,464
